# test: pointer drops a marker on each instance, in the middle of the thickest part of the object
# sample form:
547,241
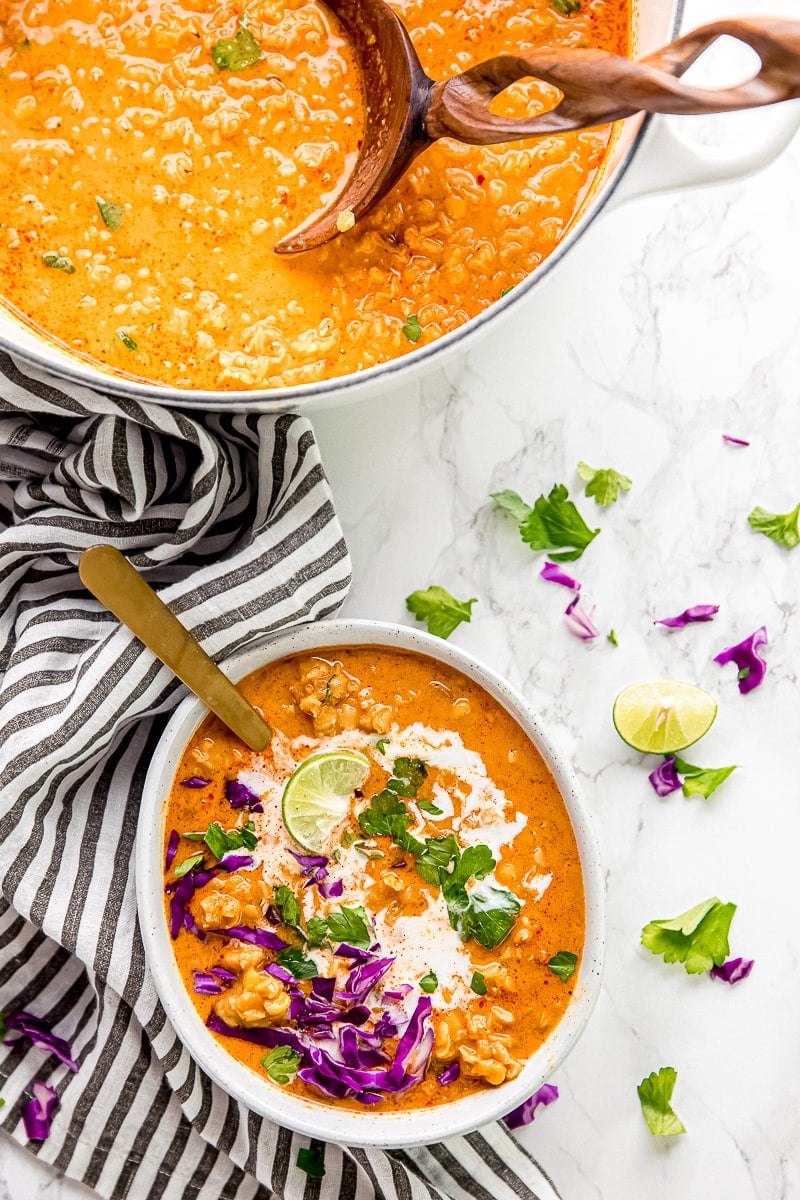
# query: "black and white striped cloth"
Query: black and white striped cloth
231,518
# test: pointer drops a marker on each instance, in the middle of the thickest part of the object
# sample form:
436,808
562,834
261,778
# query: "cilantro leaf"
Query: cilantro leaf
505,291
239,52
386,817
111,213
350,925
312,1160
478,984
381,745
293,960
433,863
485,914
513,503
220,843
553,523
429,983
612,637
697,938
59,261
287,905
316,931
412,770
281,1063
127,340
428,807
655,1094
475,860
701,781
401,788
563,965
412,328
187,865
566,7
605,485
781,527
441,611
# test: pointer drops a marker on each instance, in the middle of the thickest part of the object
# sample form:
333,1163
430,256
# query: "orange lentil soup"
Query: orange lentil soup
142,185
427,945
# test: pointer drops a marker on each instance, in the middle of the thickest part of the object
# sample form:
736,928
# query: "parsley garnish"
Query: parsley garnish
111,213
428,807
505,291
553,523
478,984
316,931
612,637
412,328
388,817
701,781
655,1093
563,965
127,340
188,865
429,983
381,745
605,485
486,914
349,925
412,770
219,842
781,527
287,905
566,7
441,611
239,52
281,1063
59,262
312,1160
327,695
293,960
697,938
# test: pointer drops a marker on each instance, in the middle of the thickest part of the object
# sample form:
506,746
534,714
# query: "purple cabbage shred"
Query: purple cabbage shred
523,1115
554,573
239,795
172,847
194,781
213,982
752,667
309,862
332,890
38,1113
449,1074
665,778
734,970
578,621
26,1025
734,441
256,937
697,612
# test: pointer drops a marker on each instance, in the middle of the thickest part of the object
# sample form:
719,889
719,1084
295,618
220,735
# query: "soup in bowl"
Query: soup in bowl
386,927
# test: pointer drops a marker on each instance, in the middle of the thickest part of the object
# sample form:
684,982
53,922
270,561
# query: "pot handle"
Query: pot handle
666,161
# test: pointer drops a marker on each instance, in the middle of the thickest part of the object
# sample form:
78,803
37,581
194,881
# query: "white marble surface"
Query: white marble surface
674,320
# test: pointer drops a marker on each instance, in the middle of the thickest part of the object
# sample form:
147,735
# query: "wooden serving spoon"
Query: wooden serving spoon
406,111
117,584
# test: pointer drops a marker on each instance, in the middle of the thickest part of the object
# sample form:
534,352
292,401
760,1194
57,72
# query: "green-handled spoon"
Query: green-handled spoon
113,581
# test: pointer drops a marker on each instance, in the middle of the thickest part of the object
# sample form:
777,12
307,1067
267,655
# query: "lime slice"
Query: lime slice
317,796
663,716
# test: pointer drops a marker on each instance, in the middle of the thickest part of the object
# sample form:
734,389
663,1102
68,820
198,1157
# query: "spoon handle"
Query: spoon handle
109,576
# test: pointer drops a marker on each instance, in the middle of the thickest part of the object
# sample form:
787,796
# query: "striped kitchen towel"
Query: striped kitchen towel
232,520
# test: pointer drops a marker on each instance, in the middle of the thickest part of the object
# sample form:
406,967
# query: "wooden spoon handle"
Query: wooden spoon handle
110,577
598,87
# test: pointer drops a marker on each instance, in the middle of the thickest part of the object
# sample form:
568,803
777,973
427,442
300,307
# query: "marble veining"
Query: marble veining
675,320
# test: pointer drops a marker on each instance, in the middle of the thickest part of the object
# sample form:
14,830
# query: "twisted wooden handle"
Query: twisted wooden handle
598,87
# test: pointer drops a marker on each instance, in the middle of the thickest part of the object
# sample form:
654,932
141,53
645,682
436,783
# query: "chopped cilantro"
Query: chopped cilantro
701,781
605,485
781,527
312,1160
327,695
432,864
111,213
485,914
655,1094
697,938
350,925
412,328
612,637
348,838
220,843
563,965
292,960
412,770
566,7
239,52
188,865
388,817
127,340
428,807
59,262
553,523
281,1063
744,673
316,931
402,787
287,905
381,745
478,984
429,983
441,611
505,291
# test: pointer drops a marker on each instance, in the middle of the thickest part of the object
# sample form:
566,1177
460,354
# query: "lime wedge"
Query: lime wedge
663,716
317,796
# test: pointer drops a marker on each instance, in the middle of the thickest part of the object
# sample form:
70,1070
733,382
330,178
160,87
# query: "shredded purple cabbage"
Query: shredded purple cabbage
450,1074
523,1115
309,862
26,1025
239,795
38,1113
194,781
364,977
257,937
332,890
213,982
697,612
347,951
182,891
734,441
578,621
665,778
235,862
172,847
752,667
734,970
554,573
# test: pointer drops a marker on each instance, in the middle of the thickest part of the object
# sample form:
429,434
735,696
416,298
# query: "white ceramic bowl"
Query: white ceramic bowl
318,1119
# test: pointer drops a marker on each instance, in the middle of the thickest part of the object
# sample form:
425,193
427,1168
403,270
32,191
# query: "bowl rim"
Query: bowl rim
320,1119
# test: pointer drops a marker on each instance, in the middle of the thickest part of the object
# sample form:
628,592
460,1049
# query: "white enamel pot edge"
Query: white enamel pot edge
265,1098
